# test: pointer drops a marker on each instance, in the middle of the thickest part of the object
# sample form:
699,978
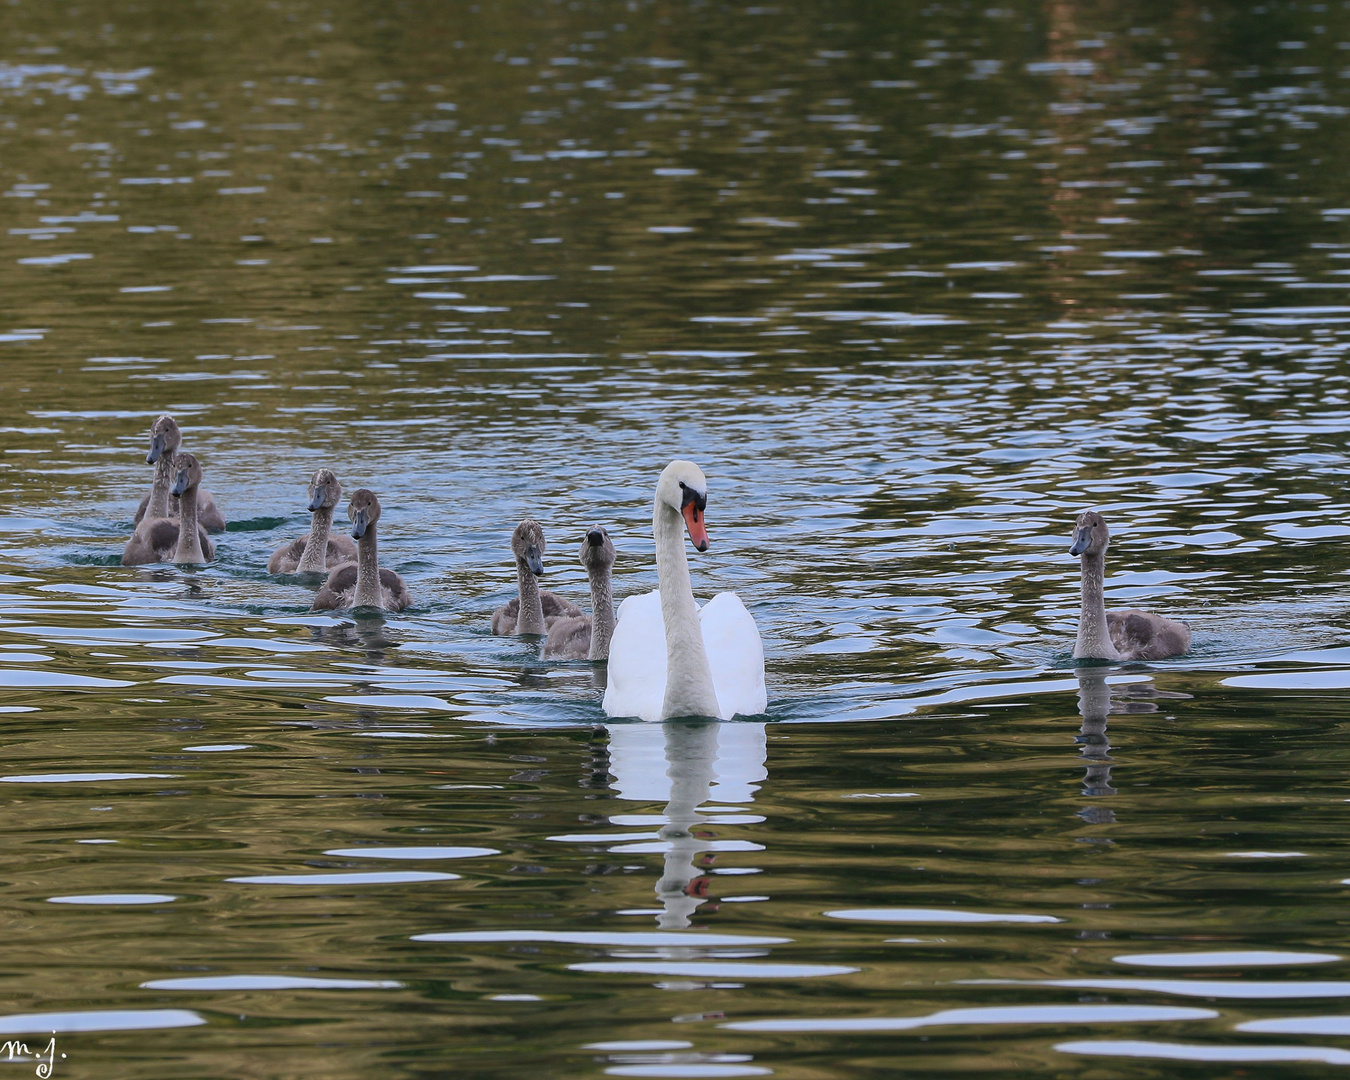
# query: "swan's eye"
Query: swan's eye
691,496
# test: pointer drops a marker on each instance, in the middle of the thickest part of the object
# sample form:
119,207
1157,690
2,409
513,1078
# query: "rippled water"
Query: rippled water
914,285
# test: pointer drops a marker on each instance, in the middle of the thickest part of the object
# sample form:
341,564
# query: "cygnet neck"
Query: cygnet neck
1094,639
189,548
158,507
530,613
314,559
368,592
602,612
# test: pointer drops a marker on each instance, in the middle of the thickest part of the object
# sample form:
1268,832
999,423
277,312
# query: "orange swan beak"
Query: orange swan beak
698,531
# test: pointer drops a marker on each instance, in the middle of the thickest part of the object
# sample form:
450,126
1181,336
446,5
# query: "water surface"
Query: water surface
914,286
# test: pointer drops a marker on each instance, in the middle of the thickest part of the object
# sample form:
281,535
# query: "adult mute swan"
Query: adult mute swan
1116,635
668,657
317,552
587,637
363,583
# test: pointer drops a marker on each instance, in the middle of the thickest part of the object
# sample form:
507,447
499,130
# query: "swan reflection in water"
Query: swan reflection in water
1094,704
1097,699
688,765
366,632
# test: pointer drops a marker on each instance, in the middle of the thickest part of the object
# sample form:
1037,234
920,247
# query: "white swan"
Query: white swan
1116,635
669,657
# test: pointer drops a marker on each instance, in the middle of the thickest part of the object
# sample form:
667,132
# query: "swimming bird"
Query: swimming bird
362,583
586,637
1116,635
165,441
163,539
533,610
317,552
668,657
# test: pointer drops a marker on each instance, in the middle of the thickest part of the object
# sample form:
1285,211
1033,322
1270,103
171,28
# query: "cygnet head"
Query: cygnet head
324,491
363,511
1090,534
165,438
684,488
597,553
527,544
187,473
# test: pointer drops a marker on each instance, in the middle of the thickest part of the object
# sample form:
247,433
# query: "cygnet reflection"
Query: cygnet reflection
1094,705
367,633
686,765
1097,699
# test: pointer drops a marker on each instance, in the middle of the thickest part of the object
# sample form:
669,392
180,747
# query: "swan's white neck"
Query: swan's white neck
314,560
368,592
158,507
602,612
689,685
530,614
1094,639
189,549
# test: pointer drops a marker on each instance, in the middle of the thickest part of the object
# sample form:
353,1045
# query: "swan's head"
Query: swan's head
165,438
527,545
324,491
597,553
363,511
187,474
1090,534
684,489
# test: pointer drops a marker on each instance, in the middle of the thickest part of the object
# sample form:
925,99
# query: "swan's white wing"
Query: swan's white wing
637,658
735,655
636,683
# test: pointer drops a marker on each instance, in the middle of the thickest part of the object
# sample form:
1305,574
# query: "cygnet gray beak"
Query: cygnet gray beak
534,560
156,449
1080,545
359,524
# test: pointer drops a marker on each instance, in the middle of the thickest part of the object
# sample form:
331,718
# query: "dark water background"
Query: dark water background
914,284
